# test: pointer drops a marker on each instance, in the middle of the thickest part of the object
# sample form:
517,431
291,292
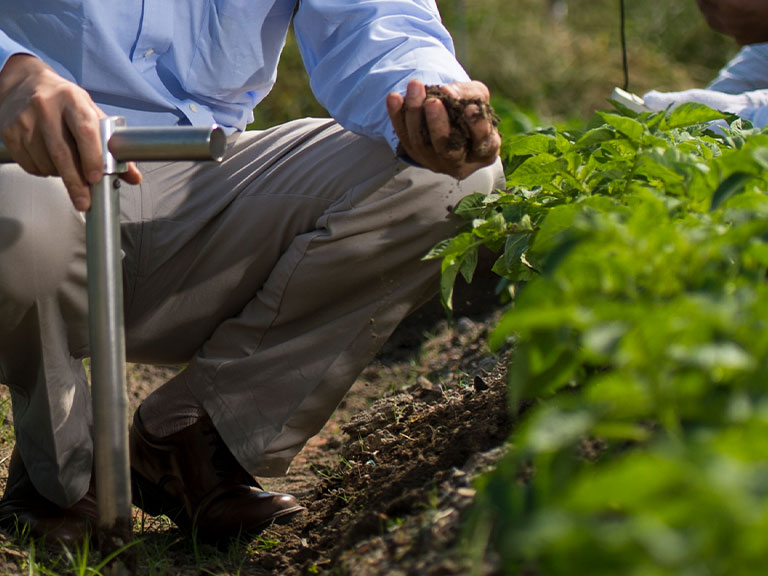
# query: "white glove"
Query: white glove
752,106
734,103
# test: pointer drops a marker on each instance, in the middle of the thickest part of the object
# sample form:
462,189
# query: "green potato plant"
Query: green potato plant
634,257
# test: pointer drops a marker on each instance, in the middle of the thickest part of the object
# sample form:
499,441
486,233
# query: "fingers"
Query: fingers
61,149
82,123
414,99
441,134
480,119
50,125
395,104
417,134
70,129
132,175
424,127
486,140
468,90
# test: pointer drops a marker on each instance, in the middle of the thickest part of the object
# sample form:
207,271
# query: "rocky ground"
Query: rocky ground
386,483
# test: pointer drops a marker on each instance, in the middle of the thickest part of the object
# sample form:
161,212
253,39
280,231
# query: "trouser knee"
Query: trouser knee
41,236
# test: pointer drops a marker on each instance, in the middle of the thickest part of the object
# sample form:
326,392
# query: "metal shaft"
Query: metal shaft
107,345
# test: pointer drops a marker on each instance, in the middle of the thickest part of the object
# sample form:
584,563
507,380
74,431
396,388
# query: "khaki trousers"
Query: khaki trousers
275,276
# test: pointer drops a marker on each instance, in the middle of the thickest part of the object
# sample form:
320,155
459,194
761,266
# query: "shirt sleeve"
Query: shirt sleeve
9,48
357,52
746,72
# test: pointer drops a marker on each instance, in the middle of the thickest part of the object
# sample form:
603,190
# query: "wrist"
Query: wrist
16,69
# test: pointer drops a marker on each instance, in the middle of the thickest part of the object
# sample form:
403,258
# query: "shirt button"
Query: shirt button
149,52
193,108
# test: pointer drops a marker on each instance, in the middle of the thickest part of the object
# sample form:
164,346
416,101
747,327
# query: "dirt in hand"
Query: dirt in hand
461,135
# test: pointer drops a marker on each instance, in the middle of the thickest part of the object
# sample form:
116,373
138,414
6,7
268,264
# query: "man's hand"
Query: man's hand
439,155
51,127
745,20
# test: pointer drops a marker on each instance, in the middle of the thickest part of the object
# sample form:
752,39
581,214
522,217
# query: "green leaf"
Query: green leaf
596,136
448,275
537,171
527,320
468,265
440,249
553,428
528,144
471,206
515,247
734,184
722,355
692,113
761,157
630,127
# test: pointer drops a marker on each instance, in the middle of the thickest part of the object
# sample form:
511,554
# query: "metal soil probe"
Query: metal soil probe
120,144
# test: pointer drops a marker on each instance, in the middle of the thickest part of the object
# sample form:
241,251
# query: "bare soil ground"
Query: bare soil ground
388,480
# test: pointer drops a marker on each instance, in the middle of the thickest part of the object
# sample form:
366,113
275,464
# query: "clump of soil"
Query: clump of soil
461,136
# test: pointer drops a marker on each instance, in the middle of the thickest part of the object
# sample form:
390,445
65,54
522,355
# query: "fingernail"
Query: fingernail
94,176
412,90
81,204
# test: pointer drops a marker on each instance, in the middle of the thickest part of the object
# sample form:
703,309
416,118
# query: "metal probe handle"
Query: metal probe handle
128,144
120,144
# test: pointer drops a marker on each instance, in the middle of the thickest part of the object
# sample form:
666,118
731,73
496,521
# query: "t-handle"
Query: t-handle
120,144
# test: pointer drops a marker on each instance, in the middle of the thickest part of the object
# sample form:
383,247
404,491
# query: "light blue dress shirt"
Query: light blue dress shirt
160,62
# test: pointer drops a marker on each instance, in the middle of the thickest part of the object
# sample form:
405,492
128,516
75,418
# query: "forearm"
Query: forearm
357,55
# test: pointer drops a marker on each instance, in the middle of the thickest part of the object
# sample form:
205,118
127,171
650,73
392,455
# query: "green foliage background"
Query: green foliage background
635,254
557,67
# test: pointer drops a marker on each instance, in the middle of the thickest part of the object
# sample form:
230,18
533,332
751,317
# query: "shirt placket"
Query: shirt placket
155,33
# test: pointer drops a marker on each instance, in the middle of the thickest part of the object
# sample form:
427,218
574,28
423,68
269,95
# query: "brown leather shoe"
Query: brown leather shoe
193,478
25,513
